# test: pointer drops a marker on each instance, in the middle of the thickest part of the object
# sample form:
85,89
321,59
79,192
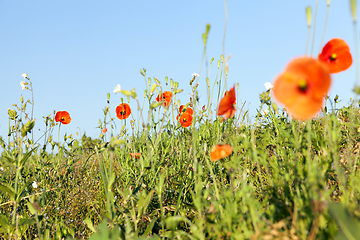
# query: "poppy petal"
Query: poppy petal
336,55
166,97
302,87
220,151
227,104
123,111
135,155
185,119
63,117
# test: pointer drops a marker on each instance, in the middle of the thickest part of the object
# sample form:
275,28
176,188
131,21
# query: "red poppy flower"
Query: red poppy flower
220,151
166,97
123,111
302,87
336,55
185,116
104,130
188,110
185,119
63,117
135,155
227,104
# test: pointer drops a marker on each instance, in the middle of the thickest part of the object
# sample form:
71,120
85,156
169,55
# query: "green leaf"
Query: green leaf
356,90
144,202
27,127
149,227
26,221
9,157
89,224
25,157
20,192
9,190
348,226
111,181
103,232
31,208
5,224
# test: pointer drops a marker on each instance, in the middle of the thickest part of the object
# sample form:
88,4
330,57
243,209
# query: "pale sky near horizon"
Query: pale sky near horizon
75,52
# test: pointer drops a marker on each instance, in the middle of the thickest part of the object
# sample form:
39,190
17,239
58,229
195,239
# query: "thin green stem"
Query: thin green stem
307,40
223,45
58,146
312,45
356,54
326,20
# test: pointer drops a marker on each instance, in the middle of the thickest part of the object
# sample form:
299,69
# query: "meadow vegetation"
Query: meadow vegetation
192,170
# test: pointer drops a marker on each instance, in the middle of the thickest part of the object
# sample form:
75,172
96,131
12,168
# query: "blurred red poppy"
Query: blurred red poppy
188,110
63,117
302,87
185,119
135,155
166,97
336,55
220,151
227,105
104,130
123,111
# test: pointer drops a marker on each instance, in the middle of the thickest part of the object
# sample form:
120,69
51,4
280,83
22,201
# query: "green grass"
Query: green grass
281,180
286,179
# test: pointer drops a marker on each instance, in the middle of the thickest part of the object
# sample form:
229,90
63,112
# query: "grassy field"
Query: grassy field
201,171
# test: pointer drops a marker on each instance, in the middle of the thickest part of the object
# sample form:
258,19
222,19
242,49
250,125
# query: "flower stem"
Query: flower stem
326,20
312,46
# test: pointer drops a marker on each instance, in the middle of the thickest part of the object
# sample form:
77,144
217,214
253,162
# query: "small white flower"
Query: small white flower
1,168
34,185
265,112
23,85
117,89
24,75
268,85
196,75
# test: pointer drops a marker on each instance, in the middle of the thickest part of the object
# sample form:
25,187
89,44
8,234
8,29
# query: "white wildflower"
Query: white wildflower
24,75
23,85
196,75
265,112
117,89
1,168
34,184
268,85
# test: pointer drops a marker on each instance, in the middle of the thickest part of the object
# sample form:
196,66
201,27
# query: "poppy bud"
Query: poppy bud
27,127
153,87
126,93
155,105
171,83
308,16
156,80
353,9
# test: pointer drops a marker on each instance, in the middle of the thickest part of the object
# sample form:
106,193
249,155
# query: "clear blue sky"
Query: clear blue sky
75,52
